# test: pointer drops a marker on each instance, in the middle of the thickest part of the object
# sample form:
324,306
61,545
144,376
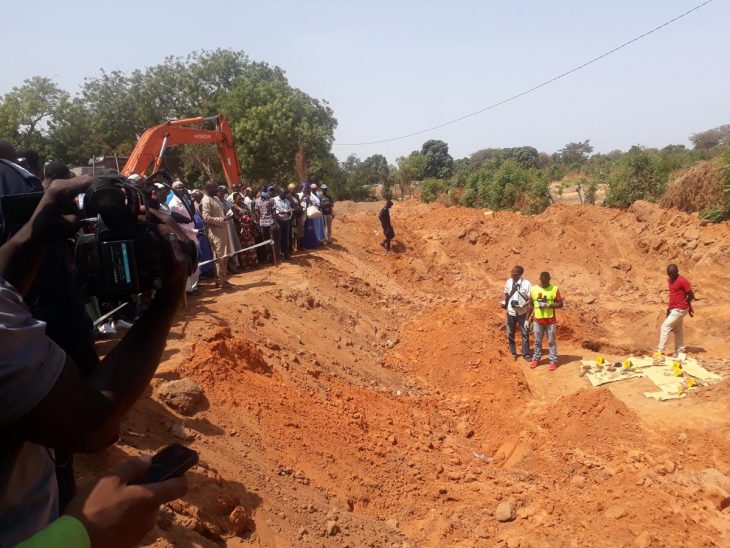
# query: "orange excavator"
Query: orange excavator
151,147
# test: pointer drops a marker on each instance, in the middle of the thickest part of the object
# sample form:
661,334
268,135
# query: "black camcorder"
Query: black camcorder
119,251
124,254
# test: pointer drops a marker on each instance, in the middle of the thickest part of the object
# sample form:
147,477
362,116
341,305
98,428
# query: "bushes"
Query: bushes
506,185
697,189
431,189
721,212
636,178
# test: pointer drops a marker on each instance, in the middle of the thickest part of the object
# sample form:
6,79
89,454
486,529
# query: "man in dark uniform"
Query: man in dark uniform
388,231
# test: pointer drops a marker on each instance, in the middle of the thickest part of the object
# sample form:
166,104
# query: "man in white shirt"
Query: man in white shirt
179,203
516,303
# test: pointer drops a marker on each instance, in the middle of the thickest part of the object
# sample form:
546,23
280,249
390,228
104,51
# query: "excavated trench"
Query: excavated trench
355,398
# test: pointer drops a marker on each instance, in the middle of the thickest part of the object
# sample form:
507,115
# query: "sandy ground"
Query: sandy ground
354,398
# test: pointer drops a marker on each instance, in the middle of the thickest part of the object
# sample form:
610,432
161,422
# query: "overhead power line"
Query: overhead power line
534,88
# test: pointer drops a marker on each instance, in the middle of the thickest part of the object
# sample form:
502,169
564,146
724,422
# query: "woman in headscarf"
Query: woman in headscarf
246,228
310,240
319,222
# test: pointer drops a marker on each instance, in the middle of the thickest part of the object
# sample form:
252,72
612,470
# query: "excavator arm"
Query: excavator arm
151,147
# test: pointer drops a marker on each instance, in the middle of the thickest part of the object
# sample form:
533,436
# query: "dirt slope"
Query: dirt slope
354,398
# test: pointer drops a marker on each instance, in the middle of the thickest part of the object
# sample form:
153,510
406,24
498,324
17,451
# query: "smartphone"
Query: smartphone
171,462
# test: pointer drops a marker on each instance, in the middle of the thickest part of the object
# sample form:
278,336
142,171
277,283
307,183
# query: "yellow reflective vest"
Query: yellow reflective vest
545,295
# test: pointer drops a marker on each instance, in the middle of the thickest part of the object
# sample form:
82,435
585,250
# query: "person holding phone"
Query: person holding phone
516,302
114,511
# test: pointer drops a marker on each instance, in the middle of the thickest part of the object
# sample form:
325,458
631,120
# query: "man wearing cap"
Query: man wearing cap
318,223
327,205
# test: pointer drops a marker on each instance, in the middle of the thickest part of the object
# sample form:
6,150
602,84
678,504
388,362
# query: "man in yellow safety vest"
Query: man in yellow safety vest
544,300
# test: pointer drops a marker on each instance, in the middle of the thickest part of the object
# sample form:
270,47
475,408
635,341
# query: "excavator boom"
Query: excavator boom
152,145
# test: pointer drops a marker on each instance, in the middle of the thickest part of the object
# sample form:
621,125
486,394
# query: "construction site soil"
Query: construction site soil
355,398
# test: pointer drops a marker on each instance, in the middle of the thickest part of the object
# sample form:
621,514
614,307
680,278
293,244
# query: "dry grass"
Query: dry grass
696,189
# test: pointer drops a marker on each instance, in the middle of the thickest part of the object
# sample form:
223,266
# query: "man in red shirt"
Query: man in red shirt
680,304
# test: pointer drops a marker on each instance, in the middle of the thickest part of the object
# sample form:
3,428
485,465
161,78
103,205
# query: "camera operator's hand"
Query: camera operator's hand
57,212
116,514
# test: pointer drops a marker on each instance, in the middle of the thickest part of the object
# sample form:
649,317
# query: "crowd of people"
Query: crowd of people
242,228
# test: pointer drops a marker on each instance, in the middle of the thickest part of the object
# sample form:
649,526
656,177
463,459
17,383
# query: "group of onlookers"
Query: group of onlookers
239,229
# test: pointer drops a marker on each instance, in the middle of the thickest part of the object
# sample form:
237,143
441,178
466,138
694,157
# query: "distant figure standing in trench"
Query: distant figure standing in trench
388,231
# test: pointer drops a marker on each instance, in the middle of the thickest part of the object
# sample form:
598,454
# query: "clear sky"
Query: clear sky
392,67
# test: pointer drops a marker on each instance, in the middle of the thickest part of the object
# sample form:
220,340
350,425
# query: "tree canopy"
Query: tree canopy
438,162
271,120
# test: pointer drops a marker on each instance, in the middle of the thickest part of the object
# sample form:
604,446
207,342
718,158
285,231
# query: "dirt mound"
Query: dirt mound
698,188
220,358
592,417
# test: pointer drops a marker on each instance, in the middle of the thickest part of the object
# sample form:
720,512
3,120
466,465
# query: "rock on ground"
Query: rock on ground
181,395
505,512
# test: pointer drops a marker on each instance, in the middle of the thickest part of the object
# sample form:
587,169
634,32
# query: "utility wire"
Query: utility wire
534,88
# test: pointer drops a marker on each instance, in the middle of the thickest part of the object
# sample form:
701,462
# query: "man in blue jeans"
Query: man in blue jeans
517,302
545,299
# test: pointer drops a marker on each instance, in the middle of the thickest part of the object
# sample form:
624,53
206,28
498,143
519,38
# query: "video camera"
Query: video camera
119,251
124,254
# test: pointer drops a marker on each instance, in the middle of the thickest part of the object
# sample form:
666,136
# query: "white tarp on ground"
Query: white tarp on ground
670,386
604,375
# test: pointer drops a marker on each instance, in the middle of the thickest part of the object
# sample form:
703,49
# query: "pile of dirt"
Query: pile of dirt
696,189
592,418
221,358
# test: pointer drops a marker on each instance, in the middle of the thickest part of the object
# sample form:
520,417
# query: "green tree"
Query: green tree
375,169
410,168
575,153
25,112
272,121
438,162
526,157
